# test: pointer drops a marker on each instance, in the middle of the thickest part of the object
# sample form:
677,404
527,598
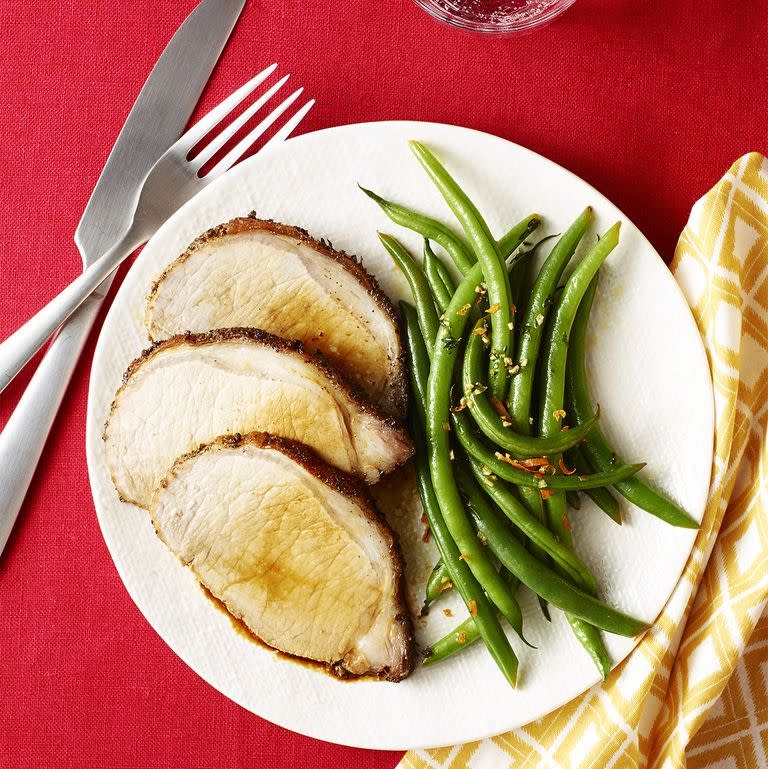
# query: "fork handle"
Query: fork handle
17,350
25,434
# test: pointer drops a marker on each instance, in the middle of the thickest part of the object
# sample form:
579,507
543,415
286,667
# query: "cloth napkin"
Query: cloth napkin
658,698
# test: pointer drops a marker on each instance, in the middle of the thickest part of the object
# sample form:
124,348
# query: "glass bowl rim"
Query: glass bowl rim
489,27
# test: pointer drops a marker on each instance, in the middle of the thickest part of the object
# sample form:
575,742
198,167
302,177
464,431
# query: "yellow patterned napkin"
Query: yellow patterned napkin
659,697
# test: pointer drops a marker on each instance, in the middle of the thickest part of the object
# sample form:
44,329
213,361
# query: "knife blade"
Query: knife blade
156,120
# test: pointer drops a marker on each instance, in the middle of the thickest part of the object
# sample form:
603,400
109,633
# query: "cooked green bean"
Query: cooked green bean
555,348
512,240
439,581
466,633
432,467
574,500
462,636
494,426
438,277
422,296
546,583
472,550
457,639
532,323
474,495
601,497
554,358
494,269
536,531
587,635
491,423
427,228
599,452
518,268
530,328
519,272
499,464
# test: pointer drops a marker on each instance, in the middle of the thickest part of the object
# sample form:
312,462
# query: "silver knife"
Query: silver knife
156,120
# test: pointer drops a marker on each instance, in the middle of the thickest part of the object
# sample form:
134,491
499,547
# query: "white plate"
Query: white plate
649,374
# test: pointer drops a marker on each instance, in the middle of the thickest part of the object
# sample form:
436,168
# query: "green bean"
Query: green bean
599,452
530,328
434,268
473,494
432,467
491,423
427,228
546,583
512,240
440,268
531,498
532,324
555,348
495,428
439,581
438,277
493,266
422,296
499,464
601,497
535,531
589,637
554,358
437,417
520,276
519,272
457,639
462,636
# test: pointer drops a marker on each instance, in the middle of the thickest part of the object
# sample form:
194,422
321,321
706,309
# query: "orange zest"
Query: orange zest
500,408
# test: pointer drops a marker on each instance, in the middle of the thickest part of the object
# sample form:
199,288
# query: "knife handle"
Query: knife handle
25,434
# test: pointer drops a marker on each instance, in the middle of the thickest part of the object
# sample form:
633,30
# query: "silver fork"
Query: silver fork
172,181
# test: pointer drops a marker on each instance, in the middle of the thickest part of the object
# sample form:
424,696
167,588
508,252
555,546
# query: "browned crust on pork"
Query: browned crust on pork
396,400
258,336
356,491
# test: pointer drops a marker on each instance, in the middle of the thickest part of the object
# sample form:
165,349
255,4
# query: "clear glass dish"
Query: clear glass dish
495,16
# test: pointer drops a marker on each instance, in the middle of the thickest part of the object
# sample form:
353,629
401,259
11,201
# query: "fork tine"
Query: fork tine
290,126
219,141
218,113
242,147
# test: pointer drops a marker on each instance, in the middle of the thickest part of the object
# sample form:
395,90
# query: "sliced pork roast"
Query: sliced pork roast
260,274
293,548
192,388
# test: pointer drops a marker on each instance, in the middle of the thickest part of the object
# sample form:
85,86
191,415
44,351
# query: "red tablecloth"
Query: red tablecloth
649,101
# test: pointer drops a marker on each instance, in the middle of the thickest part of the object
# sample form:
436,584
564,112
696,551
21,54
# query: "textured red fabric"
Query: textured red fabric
649,101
